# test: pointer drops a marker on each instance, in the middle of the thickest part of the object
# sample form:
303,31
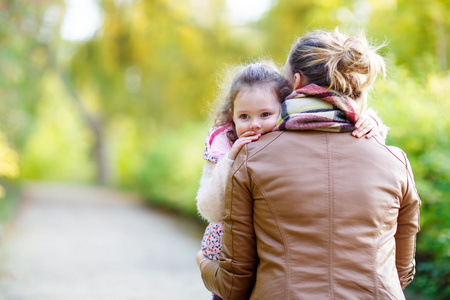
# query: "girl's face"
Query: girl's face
256,109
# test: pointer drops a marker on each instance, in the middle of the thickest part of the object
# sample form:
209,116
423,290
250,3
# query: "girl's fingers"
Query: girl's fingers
365,120
247,140
365,130
247,134
357,132
240,142
237,146
243,142
365,126
360,131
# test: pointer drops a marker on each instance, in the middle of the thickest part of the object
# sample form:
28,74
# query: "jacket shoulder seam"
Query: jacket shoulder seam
265,146
280,229
404,162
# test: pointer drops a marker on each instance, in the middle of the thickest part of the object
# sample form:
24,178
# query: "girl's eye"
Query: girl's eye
265,114
244,116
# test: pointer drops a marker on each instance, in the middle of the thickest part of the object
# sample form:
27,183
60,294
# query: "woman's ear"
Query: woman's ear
298,81
231,113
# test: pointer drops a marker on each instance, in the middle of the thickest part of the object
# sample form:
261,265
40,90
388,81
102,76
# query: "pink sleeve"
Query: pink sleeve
220,145
217,143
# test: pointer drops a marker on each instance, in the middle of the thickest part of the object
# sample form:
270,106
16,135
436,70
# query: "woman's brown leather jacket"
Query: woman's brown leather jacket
317,215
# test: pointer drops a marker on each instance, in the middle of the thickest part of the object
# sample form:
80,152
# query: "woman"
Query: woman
311,212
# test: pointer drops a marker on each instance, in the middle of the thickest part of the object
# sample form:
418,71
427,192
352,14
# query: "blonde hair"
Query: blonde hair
243,77
346,65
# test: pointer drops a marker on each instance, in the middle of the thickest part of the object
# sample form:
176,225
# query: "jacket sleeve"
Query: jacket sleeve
210,194
234,275
407,228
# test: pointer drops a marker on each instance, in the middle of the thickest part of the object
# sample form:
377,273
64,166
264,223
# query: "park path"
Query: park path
72,243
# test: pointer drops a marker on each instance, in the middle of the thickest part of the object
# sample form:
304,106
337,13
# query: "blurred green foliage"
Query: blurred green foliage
171,169
416,110
129,107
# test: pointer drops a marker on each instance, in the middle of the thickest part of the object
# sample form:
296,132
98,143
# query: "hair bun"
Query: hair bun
347,65
355,58
354,66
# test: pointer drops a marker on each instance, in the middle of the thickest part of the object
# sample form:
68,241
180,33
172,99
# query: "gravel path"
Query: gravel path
91,243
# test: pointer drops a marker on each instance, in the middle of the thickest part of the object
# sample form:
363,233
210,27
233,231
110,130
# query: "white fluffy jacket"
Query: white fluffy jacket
210,195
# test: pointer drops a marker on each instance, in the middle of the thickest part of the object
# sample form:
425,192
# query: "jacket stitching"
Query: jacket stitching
377,246
232,225
232,238
248,157
280,229
242,164
387,148
407,171
404,163
386,213
409,174
265,146
330,218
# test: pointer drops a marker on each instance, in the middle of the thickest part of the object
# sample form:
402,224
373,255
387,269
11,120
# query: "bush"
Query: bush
417,112
171,169
8,170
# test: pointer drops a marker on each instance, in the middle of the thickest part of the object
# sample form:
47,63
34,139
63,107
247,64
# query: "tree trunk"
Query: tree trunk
100,150
95,126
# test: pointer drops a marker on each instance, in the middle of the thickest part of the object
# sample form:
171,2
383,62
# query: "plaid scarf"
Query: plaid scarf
313,107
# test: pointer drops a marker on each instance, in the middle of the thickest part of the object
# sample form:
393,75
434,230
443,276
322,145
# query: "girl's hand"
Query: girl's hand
200,258
366,125
246,138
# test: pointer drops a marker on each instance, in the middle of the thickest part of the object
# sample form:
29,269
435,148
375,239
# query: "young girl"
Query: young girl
251,109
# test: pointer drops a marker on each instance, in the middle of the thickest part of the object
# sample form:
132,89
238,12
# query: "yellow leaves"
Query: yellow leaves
191,40
327,3
383,4
144,31
180,9
8,162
